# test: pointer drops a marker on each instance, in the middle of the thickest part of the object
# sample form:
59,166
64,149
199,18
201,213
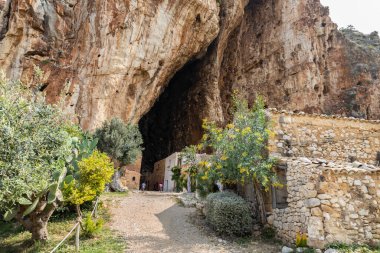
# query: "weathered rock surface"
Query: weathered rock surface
193,94
290,52
115,58
110,58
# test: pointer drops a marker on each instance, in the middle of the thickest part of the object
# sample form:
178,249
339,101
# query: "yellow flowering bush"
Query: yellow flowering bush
240,149
94,173
240,152
301,240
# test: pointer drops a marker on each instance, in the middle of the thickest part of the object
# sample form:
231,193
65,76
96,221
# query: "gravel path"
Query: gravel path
153,222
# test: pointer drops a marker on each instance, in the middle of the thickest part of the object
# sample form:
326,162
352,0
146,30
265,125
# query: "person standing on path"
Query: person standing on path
161,187
143,185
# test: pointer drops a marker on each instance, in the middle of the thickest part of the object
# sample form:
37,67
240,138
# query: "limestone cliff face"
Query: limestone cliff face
115,58
290,52
109,58
192,95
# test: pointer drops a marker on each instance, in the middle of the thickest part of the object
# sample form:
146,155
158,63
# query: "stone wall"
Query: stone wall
131,179
329,137
329,202
157,176
130,175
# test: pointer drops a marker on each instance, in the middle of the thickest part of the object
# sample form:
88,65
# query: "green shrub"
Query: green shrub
179,178
205,186
309,250
354,248
34,151
91,227
268,233
228,214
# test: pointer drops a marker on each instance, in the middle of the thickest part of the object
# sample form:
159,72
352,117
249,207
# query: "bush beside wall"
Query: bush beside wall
228,214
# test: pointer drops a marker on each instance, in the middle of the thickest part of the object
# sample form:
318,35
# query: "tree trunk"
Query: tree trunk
260,203
115,184
39,231
79,213
36,222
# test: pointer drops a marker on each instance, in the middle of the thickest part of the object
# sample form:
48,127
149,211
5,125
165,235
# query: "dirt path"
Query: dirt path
153,222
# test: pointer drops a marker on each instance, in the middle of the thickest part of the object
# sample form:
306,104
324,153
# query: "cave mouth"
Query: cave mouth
171,124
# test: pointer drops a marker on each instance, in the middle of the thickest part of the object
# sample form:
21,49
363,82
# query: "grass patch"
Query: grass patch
243,240
354,248
14,239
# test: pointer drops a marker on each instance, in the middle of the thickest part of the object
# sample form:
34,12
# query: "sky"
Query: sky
364,15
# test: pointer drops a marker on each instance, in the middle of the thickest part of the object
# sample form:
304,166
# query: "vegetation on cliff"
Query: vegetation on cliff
367,41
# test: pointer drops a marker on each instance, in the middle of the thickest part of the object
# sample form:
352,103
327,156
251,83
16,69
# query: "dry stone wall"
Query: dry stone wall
329,137
329,202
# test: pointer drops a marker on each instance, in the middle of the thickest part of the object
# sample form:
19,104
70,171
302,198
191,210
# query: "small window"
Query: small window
280,195
133,179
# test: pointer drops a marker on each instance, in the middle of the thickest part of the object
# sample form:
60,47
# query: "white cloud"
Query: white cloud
364,15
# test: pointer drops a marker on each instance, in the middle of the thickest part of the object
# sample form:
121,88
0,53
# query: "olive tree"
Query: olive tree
122,142
34,150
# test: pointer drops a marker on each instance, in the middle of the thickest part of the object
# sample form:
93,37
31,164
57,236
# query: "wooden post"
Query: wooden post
79,219
188,183
77,238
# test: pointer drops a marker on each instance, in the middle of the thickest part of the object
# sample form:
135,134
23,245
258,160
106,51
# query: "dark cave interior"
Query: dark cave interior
172,123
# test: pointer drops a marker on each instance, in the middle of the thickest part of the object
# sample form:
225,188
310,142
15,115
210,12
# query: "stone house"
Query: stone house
329,137
162,172
154,177
328,201
131,174
329,168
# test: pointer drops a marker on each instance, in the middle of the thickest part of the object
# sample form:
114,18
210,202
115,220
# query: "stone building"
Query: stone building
328,201
329,166
162,172
329,137
130,175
